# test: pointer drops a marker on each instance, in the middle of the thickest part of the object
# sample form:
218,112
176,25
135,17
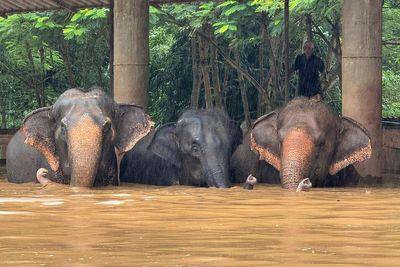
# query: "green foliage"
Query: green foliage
391,94
391,61
33,50
170,73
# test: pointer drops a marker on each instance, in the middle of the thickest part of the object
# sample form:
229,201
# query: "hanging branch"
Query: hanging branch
204,55
243,92
225,78
215,72
233,64
168,17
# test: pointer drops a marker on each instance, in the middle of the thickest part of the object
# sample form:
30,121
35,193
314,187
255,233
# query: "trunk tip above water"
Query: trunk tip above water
250,182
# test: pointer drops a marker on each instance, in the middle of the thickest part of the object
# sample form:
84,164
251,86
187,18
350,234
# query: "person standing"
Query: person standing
309,66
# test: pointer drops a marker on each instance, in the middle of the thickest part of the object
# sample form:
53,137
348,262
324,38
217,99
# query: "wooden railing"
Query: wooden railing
5,137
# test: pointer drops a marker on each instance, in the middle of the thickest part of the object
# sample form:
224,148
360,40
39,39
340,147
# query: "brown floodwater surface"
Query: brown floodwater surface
135,225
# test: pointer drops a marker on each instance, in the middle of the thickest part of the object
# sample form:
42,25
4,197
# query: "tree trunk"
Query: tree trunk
286,51
33,76
204,55
67,63
42,77
215,73
243,93
308,28
338,52
225,78
261,55
194,103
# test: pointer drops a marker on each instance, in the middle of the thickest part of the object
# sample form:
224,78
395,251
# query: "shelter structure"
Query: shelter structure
361,60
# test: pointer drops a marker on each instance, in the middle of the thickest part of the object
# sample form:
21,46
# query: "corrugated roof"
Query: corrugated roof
16,6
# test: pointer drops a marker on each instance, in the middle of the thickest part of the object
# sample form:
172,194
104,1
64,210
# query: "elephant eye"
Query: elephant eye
63,129
107,127
321,143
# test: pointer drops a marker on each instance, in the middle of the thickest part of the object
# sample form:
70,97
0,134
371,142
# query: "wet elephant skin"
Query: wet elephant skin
193,151
78,139
306,139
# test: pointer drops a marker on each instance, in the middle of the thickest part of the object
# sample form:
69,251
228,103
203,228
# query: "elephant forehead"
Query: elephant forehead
89,104
317,125
78,112
191,127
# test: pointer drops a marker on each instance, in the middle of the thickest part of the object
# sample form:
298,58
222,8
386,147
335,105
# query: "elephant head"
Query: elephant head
82,135
306,139
200,144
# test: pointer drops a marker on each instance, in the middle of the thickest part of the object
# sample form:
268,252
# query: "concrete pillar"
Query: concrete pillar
362,73
131,51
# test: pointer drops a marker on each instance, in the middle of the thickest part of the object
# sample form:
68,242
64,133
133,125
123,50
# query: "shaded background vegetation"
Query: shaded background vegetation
218,53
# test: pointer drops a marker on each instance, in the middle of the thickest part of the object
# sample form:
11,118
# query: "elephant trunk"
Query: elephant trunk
217,173
297,152
84,148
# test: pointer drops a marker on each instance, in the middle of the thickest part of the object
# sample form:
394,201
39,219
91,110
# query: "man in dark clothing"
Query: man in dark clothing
309,66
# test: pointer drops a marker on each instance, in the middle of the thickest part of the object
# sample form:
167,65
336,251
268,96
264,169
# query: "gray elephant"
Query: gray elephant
193,151
245,162
306,139
80,140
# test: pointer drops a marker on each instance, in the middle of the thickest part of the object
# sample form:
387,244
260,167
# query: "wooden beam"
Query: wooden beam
18,6
160,2
64,5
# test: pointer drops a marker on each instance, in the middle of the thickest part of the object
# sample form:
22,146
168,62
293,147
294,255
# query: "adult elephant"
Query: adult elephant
193,151
306,139
80,139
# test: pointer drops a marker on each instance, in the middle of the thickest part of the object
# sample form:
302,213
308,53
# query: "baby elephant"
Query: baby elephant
305,139
193,151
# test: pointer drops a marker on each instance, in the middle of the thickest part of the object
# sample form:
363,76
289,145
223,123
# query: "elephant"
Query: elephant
245,162
80,140
306,139
193,151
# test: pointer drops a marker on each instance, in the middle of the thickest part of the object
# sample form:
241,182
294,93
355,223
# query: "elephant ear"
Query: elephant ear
38,128
264,139
132,125
165,145
354,145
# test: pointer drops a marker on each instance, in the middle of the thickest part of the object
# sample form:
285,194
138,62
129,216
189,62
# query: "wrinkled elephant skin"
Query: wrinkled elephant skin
76,139
306,139
193,151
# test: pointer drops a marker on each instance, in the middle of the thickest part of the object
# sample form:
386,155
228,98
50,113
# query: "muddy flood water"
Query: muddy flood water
136,225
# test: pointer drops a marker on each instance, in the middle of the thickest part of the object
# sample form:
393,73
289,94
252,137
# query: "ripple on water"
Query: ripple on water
4,212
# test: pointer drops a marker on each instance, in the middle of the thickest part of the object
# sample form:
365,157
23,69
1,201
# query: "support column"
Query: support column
362,73
131,52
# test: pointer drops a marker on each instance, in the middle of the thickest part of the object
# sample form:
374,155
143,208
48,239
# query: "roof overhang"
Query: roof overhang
18,6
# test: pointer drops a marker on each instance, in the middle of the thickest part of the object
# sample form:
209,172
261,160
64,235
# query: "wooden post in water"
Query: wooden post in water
362,73
131,52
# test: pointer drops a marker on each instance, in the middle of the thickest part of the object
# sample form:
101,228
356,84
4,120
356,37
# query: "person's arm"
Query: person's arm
294,67
321,67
